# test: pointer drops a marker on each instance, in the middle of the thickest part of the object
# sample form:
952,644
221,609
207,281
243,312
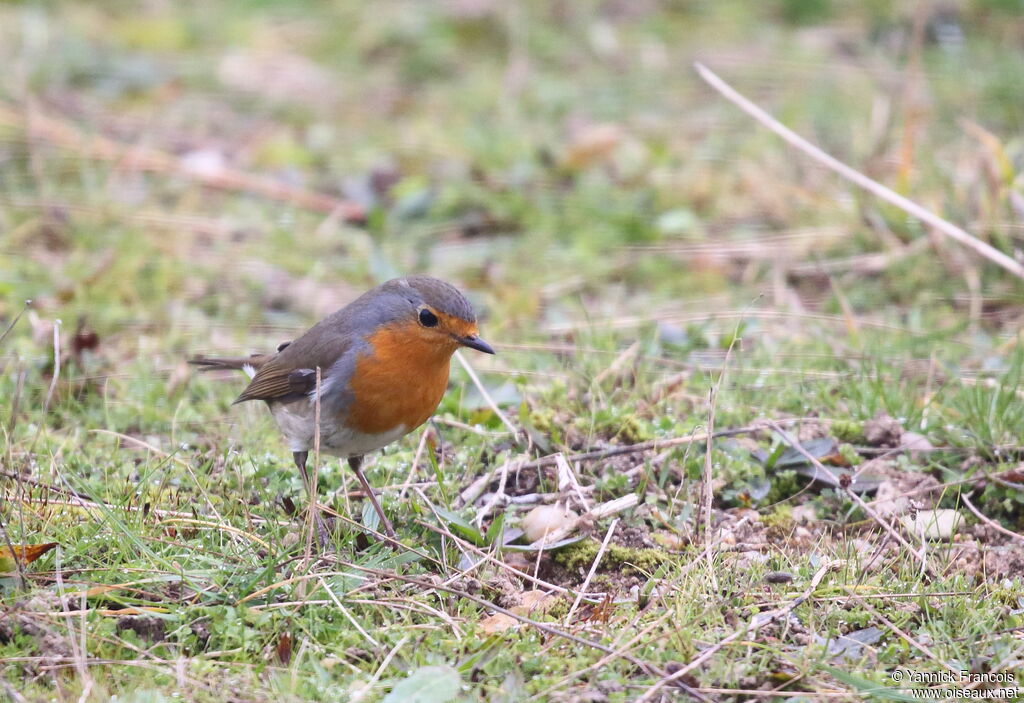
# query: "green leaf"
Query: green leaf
495,530
371,520
428,684
460,525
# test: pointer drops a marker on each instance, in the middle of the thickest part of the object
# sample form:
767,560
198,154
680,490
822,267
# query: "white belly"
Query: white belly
296,422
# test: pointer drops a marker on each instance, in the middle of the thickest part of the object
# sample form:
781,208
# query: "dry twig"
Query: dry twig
893,198
593,570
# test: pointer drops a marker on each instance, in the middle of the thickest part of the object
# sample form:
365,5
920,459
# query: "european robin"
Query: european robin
383,361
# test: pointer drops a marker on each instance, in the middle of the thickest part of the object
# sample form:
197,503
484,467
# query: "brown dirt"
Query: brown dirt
883,431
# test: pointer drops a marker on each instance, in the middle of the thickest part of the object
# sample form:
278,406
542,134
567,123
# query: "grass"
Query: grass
620,227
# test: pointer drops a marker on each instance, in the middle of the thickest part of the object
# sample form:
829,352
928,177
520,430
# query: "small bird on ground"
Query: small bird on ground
383,362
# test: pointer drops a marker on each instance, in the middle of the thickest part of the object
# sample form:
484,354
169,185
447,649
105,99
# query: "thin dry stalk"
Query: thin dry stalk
487,396
412,606
28,304
910,207
603,661
498,495
415,462
598,512
56,366
618,365
707,492
567,479
788,693
93,505
473,491
143,444
15,410
77,649
223,527
15,696
989,521
543,627
348,615
593,570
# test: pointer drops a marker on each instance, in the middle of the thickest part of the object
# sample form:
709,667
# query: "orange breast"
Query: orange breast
400,383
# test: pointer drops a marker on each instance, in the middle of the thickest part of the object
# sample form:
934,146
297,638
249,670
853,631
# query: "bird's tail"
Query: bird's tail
248,364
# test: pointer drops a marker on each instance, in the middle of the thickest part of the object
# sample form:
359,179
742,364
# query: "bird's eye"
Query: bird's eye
427,318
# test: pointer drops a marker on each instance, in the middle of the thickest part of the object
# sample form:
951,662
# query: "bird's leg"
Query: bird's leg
321,529
355,462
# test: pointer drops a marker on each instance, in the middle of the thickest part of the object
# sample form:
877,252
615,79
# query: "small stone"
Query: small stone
915,443
546,519
883,431
778,577
804,515
933,524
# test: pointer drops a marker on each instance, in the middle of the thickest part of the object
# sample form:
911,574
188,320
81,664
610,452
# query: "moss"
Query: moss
849,453
557,610
626,559
781,517
632,430
848,431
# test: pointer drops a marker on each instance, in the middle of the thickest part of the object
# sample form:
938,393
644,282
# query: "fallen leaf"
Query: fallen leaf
85,339
25,553
284,648
1014,475
499,622
592,145
599,612
535,601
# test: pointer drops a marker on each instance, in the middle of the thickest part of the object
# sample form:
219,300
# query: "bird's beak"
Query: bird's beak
474,342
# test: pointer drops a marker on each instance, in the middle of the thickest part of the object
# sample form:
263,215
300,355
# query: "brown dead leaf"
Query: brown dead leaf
535,601
23,554
284,648
85,339
591,145
499,622
530,603
597,612
1014,475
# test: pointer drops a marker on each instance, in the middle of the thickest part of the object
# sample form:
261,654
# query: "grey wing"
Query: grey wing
291,373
